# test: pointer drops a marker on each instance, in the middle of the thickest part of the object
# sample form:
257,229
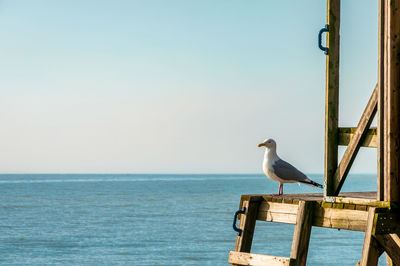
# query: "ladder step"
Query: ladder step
243,258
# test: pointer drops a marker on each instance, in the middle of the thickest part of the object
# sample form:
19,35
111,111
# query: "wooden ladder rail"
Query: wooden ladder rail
247,225
302,232
300,244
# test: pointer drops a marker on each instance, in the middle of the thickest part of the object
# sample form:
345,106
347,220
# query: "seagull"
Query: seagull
281,171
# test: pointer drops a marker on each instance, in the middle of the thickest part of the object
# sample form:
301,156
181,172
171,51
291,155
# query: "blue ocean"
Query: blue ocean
135,219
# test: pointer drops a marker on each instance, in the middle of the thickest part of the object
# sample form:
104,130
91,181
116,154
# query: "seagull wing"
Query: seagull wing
286,171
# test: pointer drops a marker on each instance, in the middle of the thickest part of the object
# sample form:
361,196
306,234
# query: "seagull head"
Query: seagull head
268,143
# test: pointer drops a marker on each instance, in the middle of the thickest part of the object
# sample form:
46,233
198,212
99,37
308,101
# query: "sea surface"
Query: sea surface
135,219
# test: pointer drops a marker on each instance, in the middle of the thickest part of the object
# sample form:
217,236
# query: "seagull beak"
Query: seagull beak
261,144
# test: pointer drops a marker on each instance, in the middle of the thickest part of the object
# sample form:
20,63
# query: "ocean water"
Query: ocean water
116,219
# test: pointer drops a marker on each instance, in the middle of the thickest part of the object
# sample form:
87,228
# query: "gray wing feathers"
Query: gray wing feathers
286,171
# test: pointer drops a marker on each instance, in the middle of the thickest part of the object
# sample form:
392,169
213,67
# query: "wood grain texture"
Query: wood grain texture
387,223
392,105
385,93
247,224
389,261
302,233
348,199
391,244
370,139
371,248
347,219
277,212
241,258
332,215
381,101
332,96
355,143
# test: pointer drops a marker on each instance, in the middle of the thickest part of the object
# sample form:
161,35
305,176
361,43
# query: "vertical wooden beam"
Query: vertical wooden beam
302,233
385,92
381,100
371,248
332,96
247,224
392,107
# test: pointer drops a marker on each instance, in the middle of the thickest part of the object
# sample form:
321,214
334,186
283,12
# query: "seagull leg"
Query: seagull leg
280,192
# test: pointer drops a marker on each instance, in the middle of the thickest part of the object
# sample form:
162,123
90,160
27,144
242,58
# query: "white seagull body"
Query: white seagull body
281,171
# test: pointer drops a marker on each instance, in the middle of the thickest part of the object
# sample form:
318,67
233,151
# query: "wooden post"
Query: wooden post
381,100
332,96
371,249
247,224
392,105
302,233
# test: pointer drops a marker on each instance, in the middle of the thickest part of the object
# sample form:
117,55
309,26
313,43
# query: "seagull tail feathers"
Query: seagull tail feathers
311,183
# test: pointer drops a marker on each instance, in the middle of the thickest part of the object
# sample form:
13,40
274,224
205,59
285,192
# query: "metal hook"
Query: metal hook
239,231
326,29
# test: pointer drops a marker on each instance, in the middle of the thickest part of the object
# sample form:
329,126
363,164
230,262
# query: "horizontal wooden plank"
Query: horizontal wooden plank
347,211
360,201
242,258
340,218
352,198
347,133
331,217
277,212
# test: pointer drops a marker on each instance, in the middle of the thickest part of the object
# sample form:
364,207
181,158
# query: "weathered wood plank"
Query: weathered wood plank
391,244
381,100
302,233
365,199
241,258
392,105
387,223
277,212
355,143
389,261
332,96
347,133
371,248
247,224
339,218
356,198
355,220
385,94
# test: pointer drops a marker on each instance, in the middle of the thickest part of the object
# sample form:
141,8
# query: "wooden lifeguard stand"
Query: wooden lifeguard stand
375,213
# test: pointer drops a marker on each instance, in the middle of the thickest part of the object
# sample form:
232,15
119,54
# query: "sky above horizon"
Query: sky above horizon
175,86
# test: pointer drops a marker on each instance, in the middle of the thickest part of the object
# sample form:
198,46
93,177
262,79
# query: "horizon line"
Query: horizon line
148,173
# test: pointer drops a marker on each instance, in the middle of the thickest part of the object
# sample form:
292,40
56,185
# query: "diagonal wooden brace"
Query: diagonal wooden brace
355,143
391,244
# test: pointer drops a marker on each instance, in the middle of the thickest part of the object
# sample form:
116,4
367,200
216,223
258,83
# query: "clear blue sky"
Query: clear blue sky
174,86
